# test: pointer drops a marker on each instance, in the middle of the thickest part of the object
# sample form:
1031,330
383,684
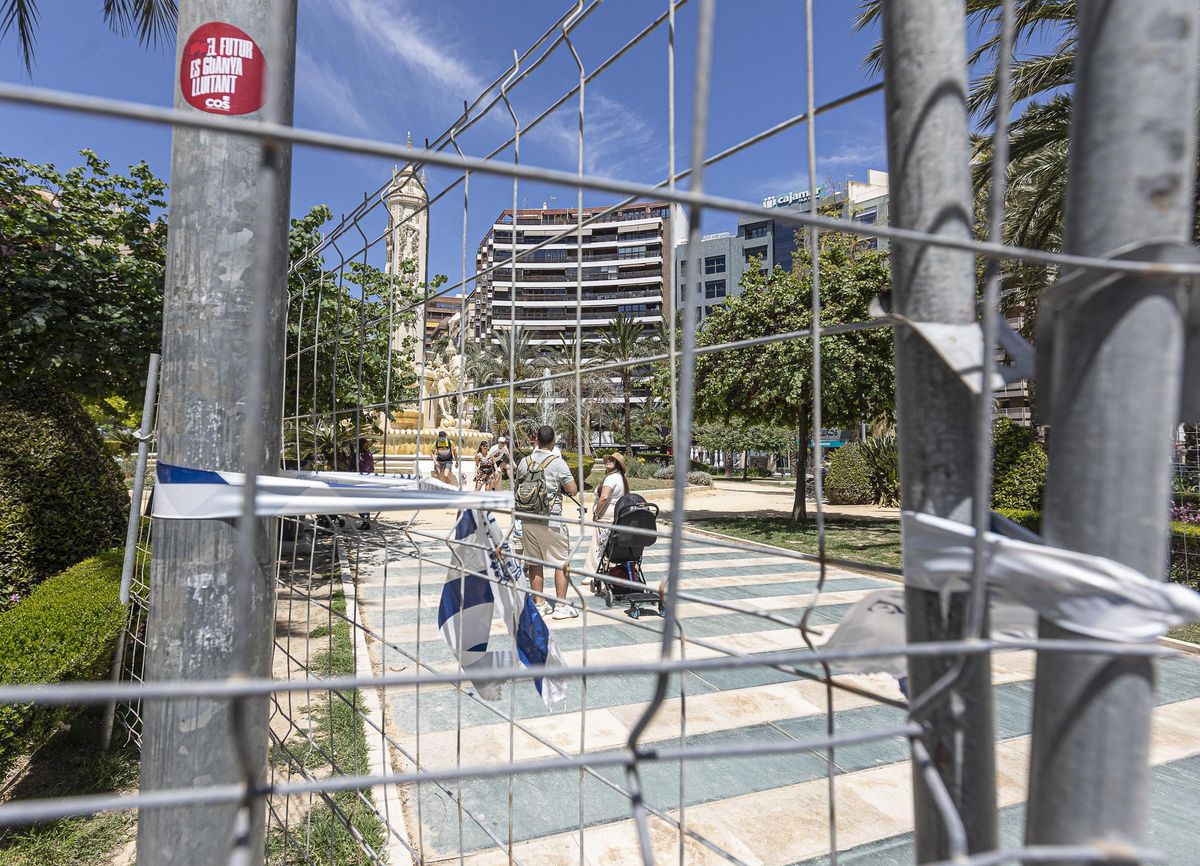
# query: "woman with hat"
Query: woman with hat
612,488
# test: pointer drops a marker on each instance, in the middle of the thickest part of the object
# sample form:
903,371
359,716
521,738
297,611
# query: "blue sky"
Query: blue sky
380,68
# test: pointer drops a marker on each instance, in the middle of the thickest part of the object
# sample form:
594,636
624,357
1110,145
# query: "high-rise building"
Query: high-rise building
626,269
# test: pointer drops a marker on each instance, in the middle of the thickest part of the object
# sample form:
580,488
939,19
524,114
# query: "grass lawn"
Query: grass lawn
71,764
868,540
336,737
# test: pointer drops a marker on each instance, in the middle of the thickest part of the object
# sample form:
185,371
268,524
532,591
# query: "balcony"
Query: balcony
503,277
566,298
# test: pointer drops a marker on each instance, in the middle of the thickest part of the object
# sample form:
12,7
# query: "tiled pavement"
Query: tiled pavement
769,810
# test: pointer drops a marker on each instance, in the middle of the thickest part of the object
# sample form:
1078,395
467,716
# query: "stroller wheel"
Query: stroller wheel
609,600
634,612
662,608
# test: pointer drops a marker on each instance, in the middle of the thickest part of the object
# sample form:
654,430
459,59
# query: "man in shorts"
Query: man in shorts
547,541
445,457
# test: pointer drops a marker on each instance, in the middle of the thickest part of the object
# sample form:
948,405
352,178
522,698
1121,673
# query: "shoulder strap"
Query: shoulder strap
547,462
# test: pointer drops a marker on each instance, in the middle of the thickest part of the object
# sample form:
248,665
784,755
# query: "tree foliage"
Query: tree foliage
149,20
339,332
83,255
772,384
622,341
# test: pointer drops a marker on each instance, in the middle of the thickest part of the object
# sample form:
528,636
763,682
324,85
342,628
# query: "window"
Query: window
714,289
714,264
753,232
752,252
867,215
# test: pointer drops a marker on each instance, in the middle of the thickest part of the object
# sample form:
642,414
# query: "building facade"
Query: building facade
627,261
764,243
407,236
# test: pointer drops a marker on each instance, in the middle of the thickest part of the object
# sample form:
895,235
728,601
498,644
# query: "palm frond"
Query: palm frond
149,20
23,15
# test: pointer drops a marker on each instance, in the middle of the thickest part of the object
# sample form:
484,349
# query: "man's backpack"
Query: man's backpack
445,451
533,495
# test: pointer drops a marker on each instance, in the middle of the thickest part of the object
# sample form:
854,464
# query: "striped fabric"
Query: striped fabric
485,575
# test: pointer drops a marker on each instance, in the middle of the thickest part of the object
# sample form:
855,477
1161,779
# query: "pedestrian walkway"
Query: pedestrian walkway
770,810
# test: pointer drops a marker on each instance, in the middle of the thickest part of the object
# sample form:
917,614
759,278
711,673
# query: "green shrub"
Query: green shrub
62,498
1022,485
848,481
1187,497
572,459
1185,554
883,465
1031,520
1018,467
756,472
700,479
655,457
65,630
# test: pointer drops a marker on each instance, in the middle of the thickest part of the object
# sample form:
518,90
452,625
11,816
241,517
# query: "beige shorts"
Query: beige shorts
545,543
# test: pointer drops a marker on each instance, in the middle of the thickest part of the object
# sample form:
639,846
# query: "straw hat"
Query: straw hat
617,458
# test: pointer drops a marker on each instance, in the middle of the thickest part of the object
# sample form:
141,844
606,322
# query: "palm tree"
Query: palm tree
595,394
622,341
1038,138
149,20
487,363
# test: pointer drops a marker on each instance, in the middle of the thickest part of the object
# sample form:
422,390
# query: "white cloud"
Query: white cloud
398,37
328,93
618,143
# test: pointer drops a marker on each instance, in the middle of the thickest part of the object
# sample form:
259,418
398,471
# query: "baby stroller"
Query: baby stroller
622,556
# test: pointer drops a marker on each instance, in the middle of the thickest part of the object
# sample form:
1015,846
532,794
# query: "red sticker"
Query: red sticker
223,70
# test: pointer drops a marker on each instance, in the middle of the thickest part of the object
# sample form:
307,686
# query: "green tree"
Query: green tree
621,342
83,253
149,20
340,329
772,384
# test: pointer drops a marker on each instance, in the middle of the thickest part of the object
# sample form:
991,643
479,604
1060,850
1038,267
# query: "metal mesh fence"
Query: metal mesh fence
383,749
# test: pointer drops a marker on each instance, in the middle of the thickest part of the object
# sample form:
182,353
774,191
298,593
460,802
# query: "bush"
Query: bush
573,462
757,472
1031,520
62,498
1018,467
655,457
701,479
883,466
1185,554
848,481
65,630
1187,497
664,473
1022,485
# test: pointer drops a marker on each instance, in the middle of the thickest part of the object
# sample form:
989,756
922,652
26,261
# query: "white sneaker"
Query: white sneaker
545,608
564,611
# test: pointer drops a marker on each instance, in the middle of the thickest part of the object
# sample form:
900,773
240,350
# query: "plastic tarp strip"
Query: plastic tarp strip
1089,595
183,493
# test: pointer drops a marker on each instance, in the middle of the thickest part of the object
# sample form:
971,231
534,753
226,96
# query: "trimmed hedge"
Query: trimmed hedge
65,630
62,498
848,481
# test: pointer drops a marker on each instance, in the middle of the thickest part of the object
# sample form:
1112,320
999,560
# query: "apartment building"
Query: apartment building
626,268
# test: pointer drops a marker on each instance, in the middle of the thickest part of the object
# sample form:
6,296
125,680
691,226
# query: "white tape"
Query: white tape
181,493
1089,595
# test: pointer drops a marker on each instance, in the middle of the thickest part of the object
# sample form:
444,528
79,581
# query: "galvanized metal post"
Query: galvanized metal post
131,536
924,55
206,619
1115,390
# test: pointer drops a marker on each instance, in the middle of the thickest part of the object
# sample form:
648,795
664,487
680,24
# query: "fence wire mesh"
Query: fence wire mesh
714,728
